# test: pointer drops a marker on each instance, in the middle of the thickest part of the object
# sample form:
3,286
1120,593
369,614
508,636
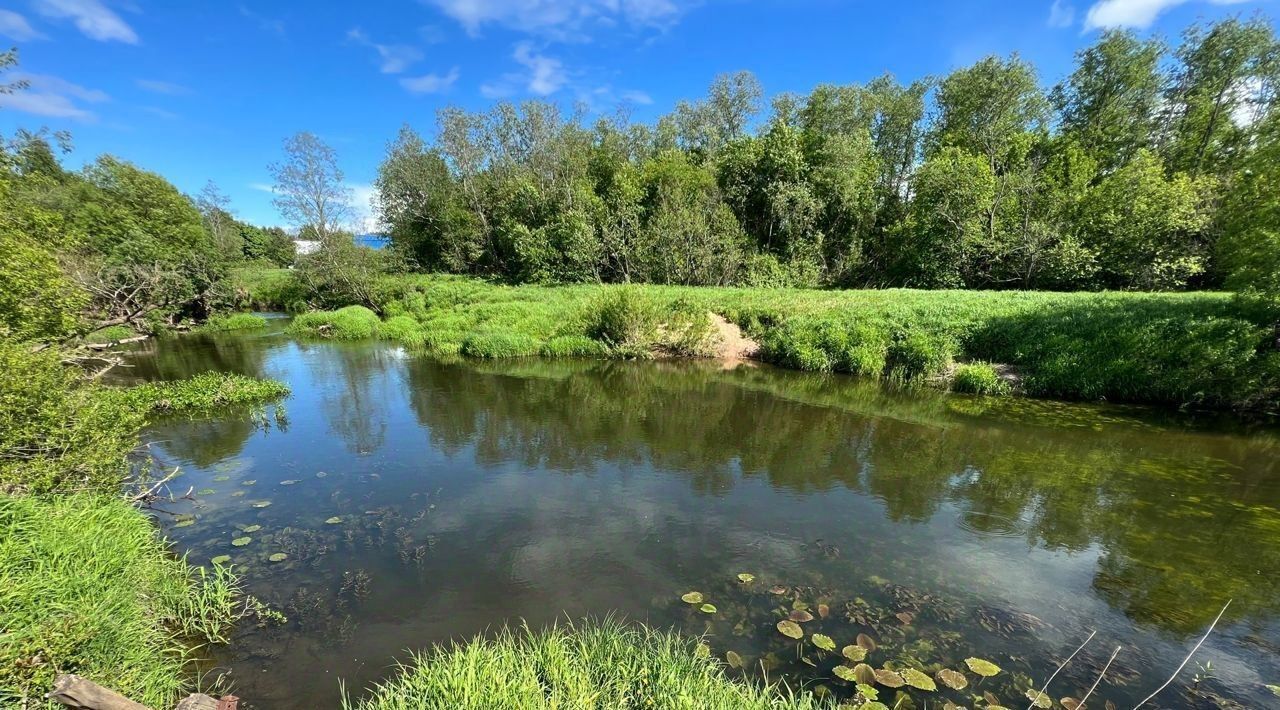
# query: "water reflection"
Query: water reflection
470,494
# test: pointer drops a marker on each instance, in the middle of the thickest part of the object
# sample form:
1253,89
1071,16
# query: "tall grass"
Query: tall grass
233,321
87,587
605,665
1202,349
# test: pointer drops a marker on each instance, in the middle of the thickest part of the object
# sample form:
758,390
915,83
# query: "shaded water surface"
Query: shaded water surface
421,501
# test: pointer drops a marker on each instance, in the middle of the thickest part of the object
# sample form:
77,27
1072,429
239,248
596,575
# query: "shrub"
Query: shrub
915,355
596,665
500,345
574,346
978,378
235,321
688,331
624,318
87,586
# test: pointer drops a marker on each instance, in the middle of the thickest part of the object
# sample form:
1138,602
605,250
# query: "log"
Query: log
81,694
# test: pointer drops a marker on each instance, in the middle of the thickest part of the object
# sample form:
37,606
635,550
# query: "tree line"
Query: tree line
1151,166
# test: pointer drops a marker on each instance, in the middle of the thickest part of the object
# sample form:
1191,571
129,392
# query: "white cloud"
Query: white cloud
430,83
51,97
1061,14
364,208
395,57
91,17
1134,13
561,19
639,98
16,27
262,187
163,87
542,75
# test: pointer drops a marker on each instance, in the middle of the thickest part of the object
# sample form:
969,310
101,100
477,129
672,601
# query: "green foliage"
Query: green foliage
625,319
402,329
500,345
341,272
204,393
87,586
234,321
268,288
110,334
978,378
593,665
574,346
350,323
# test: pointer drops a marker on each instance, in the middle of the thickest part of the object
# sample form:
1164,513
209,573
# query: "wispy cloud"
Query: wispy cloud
570,20
639,98
542,75
91,17
163,87
395,58
268,24
1061,14
1134,13
262,187
52,97
16,27
430,83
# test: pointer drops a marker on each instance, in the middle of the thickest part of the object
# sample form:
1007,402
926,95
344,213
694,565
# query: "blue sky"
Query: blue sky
200,90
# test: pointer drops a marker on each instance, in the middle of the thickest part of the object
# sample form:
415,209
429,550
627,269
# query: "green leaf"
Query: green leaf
252,528
823,642
335,520
1039,699
844,673
746,577
734,660
952,679
854,652
278,557
986,669
918,680
790,629
221,559
708,608
692,598
241,541
262,504
184,523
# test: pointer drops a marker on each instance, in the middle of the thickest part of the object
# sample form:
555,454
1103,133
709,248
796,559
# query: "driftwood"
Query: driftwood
112,344
81,694
76,692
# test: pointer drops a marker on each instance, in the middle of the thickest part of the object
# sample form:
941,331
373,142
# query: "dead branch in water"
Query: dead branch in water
1100,676
1045,689
150,494
1188,658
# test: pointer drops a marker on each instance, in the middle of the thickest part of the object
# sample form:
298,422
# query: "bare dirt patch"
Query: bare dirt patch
733,344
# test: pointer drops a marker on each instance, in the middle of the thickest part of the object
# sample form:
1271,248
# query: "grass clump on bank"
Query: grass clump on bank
979,378
110,334
232,322
350,323
87,587
602,665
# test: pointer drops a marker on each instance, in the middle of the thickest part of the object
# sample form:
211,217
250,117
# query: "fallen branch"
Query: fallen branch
150,494
1045,689
1100,676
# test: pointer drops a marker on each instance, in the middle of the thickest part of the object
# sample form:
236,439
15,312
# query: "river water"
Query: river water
422,501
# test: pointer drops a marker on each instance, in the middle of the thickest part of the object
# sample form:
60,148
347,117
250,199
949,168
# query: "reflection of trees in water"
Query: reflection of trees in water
206,442
354,393
159,359
1184,519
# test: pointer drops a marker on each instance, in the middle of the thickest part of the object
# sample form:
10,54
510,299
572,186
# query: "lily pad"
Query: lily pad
237,494
888,678
278,557
708,608
865,674
184,523
242,541
918,680
823,642
986,669
845,673
1274,689
222,478
262,504
221,559
692,598
824,611
777,589
252,528
873,705
733,659
799,616
799,605
854,652
289,482
866,642
1039,699
867,691
954,680
335,520
1070,703
249,482
746,577
790,629
205,492
702,650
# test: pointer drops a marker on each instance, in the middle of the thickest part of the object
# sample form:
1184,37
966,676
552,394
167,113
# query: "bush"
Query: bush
574,346
88,587
688,331
624,319
350,323
604,665
234,321
978,378
914,356
501,345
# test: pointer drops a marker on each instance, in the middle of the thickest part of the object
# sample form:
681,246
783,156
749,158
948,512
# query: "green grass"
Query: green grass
204,393
87,587
350,323
603,665
110,334
233,321
1198,349
268,289
978,378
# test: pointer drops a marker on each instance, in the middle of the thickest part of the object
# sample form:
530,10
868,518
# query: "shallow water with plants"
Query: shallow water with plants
397,501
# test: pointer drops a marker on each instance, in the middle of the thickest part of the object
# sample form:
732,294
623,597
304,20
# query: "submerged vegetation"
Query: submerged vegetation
594,665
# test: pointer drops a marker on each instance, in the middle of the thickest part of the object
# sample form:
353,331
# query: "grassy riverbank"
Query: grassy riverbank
604,665
1199,349
86,584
